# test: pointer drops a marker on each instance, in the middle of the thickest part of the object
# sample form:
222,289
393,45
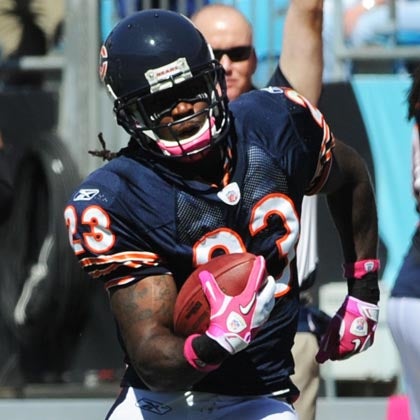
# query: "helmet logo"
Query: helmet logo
103,62
166,76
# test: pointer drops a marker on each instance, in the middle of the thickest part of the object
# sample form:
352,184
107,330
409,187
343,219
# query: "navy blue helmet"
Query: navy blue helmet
151,61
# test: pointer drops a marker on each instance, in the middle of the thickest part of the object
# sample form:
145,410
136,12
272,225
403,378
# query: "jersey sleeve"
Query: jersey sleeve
312,128
291,129
109,248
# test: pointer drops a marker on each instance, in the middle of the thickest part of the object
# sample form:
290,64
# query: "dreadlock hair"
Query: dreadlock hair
414,94
105,154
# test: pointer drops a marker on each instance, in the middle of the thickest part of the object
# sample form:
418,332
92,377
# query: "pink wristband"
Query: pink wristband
193,359
359,269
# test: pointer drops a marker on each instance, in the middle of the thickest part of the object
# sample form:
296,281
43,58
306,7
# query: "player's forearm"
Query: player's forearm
352,204
364,221
353,209
356,221
144,312
161,364
359,236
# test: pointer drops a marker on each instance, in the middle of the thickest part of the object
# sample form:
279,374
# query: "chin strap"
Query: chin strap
194,144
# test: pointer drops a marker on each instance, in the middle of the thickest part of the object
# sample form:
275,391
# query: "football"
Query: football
192,310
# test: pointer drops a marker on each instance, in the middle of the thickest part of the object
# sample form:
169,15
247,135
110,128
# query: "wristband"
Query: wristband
193,359
359,269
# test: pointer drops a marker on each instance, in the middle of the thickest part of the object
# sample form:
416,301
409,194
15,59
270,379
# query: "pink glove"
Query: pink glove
351,330
235,319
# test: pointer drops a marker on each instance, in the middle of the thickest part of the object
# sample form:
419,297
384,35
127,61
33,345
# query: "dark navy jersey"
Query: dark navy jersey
135,217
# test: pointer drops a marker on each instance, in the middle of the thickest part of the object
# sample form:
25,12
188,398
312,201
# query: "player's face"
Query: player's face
189,126
171,111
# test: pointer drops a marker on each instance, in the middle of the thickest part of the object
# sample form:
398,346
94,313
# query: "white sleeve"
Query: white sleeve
307,249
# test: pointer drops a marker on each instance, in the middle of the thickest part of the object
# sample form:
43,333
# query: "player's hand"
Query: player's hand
351,330
235,319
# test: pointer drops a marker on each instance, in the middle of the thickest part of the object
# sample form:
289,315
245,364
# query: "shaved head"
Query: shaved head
224,28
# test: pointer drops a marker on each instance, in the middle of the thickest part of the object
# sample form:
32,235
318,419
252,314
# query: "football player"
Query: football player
201,177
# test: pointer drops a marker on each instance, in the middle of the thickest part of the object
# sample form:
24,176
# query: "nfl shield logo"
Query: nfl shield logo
230,194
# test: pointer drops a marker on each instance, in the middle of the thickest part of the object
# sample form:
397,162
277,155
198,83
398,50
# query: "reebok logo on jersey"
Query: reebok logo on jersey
85,194
155,407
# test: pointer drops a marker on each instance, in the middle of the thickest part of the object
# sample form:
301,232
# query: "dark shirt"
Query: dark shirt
6,191
156,221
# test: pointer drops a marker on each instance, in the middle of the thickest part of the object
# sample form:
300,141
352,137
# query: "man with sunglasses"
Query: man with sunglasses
231,36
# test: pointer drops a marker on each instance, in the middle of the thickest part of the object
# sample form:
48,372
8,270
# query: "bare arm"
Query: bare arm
144,312
301,55
352,205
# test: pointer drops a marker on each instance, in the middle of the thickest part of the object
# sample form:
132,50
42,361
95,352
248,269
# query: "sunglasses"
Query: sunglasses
235,53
